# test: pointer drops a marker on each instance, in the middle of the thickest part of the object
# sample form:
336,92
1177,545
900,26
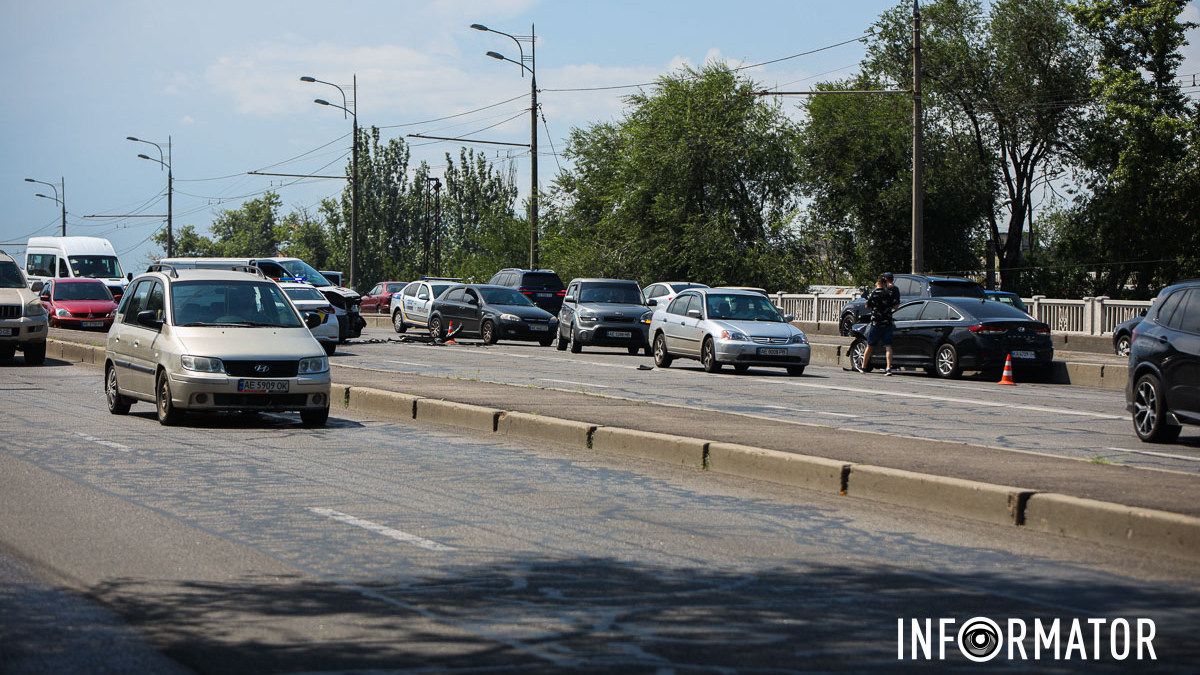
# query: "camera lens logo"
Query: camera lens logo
979,639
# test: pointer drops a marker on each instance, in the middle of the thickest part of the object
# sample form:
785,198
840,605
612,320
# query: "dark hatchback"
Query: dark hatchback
542,287
1163,392
945,336
911,287
491,313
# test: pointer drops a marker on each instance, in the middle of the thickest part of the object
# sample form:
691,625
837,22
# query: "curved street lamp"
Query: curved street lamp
353,113
60,198
164,162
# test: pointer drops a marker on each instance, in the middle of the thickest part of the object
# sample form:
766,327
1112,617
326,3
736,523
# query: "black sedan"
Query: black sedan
946,336
490,313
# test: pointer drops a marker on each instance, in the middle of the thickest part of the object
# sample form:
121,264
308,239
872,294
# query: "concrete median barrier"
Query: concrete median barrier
661,447
77,352
549,429
999,504
390,403
438,411
1108,523
825,355
814,473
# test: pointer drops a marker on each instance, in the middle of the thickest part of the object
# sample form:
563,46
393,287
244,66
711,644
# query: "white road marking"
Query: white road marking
107,444
582,384
1156,454
951,399
814,412
381,529
410,363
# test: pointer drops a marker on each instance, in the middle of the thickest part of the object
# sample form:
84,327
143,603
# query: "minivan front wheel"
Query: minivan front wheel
1150,412
168,414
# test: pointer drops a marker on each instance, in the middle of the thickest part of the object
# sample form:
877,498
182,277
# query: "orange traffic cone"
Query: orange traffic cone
450,335
1006,378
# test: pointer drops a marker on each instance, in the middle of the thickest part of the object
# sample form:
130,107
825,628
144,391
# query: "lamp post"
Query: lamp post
353,113
533,106
62,200
164,162
437,222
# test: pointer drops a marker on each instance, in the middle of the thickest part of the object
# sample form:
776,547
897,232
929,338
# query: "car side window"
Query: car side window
374,291
573,291
936,311
678,306
455,295
1187,316
410,290
1167,309
423,293
470,297
63,270
137,301
908,312
695,303
154,301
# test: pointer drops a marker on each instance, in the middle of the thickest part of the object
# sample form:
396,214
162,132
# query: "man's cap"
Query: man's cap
888,276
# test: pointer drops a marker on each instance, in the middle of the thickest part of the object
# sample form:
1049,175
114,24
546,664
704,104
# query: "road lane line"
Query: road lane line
410,363
582,384
952,399
814,412
381,529
107,444
1156,454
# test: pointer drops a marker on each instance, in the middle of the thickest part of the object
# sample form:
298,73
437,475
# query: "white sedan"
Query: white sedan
308,299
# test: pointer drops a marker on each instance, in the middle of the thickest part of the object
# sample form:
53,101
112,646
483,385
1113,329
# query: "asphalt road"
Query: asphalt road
1045,418
249,544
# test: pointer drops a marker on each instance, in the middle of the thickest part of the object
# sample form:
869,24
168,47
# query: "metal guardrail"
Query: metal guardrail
1089,316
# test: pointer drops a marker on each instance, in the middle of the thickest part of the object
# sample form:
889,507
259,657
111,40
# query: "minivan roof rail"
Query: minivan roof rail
165,269
250,269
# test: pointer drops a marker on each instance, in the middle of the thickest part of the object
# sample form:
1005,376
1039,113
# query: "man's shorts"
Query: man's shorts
880,336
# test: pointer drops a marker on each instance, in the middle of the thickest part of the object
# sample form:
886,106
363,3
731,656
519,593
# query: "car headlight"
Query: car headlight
35,308
509,317
314,364
61,312
734,335
587,317
799,339
646,317
201,364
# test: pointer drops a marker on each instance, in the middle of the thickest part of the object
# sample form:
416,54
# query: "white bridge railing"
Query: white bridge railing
1089,316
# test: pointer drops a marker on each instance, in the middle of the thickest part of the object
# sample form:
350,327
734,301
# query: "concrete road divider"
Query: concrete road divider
679,450
1108,523
814,473
549,429
825,355
456,414
389,403
998,504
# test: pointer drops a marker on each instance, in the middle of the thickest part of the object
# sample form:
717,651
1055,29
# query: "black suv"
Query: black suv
1163,391
911,287
542,287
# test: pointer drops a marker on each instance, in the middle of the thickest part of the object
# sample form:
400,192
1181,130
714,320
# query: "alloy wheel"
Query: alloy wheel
1145,408
945,361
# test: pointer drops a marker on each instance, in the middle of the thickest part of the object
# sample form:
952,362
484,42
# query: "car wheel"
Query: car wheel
576,346
487,332
1122,346
398,322
945,361
546,342
633,350
168,414
1150,412
35,353
561,342
857,351
330,348
845,323
740,368
795,371
117,404
314,418
7,351
708,356
435,328
662,358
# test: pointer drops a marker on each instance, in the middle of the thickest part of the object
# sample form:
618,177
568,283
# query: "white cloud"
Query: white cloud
187,120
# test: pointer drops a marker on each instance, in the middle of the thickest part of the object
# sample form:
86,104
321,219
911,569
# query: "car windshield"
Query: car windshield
302,271
731,307
617,294
542,280
88,291
10,275
990,309
96,266
231,303
304,294
955,289
504,296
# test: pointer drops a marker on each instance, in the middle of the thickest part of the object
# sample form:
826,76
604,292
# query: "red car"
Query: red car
379,299
78,303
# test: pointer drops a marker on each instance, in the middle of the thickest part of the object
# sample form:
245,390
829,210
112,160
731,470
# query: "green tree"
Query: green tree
188,243
249,230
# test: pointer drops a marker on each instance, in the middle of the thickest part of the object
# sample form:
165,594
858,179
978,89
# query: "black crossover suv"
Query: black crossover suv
1163,392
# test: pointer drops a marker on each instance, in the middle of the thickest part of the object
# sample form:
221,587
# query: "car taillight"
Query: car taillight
562,293
986,329
1042,330
526,291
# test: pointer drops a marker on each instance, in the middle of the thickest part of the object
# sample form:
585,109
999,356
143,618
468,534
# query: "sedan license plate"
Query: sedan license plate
92,324
262,386
7,332
772,351
1024,355
621,334
538,327
545,295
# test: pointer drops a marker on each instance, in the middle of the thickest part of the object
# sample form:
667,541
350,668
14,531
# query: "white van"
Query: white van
62,257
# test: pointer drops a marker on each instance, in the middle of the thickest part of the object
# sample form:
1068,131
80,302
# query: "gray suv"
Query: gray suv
23,319
604,313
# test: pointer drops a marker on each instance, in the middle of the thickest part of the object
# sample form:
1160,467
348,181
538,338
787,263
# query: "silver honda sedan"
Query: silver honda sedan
720,326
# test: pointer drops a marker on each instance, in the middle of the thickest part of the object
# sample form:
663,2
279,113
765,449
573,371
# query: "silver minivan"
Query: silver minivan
214,340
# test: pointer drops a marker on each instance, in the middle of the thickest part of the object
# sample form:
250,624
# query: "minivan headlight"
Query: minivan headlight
201,364
35,308
314,364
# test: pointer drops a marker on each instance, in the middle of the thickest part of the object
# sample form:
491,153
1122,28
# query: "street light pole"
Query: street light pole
353,112
918,159
61,198
437,224
166,163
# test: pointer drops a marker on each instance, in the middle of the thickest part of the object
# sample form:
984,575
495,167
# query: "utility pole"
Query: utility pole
437,224
533,151
170,195
918,159
354,184
63,180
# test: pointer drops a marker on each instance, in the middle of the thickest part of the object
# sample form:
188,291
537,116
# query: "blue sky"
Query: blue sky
222,79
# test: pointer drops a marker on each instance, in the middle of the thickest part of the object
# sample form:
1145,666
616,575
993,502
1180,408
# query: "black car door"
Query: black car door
472,311
1182,371
937,321
907,325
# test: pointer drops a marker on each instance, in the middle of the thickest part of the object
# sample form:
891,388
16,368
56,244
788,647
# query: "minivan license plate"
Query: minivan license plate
1024,355
262,386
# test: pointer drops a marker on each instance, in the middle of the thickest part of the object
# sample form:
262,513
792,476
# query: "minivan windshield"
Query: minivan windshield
741,308
10,275
96,266
250,304
90,290
504,296
617,294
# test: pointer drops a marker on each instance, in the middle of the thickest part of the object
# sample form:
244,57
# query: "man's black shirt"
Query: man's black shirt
881,304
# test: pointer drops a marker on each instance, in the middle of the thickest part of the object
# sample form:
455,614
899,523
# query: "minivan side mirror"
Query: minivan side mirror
311,319
149,319
37,287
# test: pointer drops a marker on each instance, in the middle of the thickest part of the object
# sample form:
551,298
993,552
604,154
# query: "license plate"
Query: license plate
1024,355
6,331
262,386
92,324
771,351
621,334
538,327
545,295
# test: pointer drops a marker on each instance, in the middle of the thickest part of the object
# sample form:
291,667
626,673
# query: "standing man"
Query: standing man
879,333
895,292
